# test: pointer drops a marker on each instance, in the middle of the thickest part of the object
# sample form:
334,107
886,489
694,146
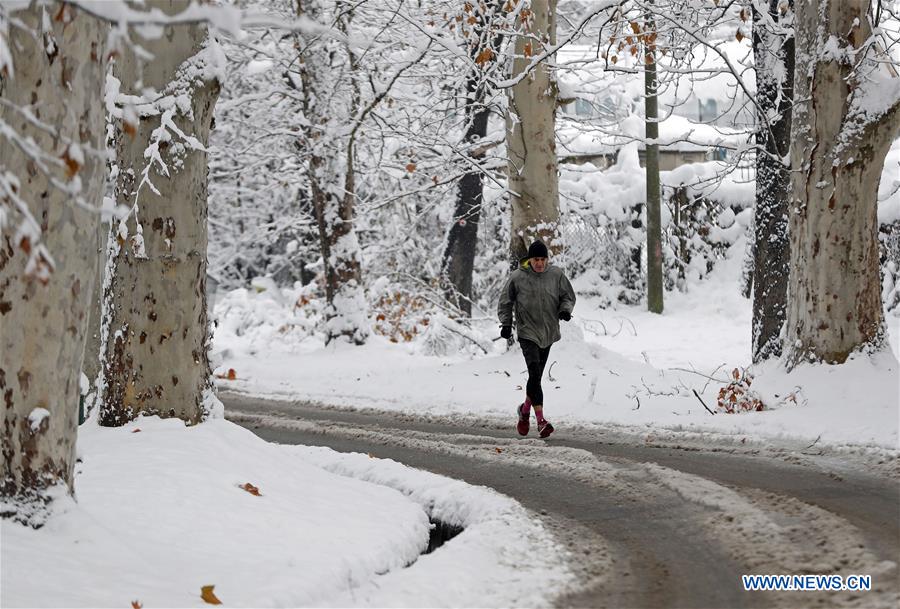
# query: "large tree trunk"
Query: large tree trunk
531,135
843,125
157,339
330,103
462,240
47,261
773,55
654,222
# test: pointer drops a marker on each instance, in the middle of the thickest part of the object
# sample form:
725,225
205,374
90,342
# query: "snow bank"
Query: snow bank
494,562
162,510
858,400
160,513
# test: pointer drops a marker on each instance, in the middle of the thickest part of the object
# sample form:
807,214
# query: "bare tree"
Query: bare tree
462,240
845,118
156,358
52,174
330,93
773,52
654,222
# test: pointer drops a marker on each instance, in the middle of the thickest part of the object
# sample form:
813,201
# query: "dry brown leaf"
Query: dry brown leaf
72,165
206,593
484,56
410,167
499,450
739,36
253,490
135,430
136,605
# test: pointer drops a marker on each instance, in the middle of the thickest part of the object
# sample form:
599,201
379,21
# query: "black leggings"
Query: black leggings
535,359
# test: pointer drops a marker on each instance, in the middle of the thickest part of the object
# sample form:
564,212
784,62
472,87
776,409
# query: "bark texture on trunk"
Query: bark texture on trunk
654,222
330,102
841,133
773,55
59,69
531,136
156,359
93,347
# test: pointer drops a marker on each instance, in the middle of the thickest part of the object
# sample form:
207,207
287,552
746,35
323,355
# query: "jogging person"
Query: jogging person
541,295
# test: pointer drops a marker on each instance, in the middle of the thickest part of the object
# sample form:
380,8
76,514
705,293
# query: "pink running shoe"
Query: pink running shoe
523,424
545,429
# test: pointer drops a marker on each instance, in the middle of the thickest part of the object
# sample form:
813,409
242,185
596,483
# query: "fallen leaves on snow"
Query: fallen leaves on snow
253,490
208,596
231,375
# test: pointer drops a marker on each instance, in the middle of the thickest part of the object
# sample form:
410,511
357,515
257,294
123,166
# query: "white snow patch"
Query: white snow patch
258,66
161,512
36,417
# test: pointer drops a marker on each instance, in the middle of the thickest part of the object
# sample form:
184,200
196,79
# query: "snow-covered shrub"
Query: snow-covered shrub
446,336
400,315
267,317
600,225
705,211
889,241
699,233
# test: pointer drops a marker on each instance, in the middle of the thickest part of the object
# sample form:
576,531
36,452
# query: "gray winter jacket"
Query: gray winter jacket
538,300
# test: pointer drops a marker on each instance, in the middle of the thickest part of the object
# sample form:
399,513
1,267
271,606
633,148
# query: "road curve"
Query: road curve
647,524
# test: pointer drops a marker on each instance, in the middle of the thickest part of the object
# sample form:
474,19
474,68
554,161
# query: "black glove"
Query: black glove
565,316
506,332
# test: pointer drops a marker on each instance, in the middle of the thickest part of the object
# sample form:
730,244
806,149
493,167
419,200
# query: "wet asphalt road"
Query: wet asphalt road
648,524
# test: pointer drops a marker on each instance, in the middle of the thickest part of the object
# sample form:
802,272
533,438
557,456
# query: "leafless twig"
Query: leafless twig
702,402
814,443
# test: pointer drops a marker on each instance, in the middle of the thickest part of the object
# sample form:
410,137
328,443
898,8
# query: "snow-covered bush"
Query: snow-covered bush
705,211
400,315
889,240
266,317
700,231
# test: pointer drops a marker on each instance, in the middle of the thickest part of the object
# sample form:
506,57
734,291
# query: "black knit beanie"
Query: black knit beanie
537,250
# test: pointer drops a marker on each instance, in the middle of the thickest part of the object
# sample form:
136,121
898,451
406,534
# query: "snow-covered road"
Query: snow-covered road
650,522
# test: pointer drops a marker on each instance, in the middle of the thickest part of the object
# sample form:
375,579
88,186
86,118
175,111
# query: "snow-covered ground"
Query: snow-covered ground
624,367
163,511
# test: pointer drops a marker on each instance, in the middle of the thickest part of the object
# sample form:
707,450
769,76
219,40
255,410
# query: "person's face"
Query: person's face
539,264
